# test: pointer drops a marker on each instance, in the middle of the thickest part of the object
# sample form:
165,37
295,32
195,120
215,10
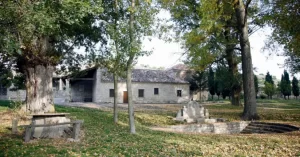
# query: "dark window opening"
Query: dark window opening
111,93
141,92
155,91
178,93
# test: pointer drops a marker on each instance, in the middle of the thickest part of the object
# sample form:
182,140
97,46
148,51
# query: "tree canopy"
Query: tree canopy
295,86
38,35
285,84
282,17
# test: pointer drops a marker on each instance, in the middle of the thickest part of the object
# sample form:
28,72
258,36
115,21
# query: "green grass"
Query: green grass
103,138
4,104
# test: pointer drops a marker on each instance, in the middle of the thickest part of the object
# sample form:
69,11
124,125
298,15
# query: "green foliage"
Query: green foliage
269,89
198,81
269,78
263,96
281,17
5,103
285,84
15,105
46,32
222,81
295,86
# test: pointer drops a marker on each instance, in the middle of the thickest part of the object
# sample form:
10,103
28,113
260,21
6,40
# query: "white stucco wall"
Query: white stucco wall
167,92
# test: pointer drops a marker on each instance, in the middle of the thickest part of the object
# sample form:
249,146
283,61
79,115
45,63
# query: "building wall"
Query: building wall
60,96
82,91
18,95
167,92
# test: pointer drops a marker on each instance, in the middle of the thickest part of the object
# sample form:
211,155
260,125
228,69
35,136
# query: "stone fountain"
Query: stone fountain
194,112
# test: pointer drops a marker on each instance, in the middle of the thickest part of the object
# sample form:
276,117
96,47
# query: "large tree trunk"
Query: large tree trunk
115,98
235,87
232,64
129,70
249,112
39,97
130,102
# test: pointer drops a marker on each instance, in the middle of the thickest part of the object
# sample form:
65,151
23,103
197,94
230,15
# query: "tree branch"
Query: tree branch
247,4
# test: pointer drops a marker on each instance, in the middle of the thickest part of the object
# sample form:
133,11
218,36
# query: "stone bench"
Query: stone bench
30,128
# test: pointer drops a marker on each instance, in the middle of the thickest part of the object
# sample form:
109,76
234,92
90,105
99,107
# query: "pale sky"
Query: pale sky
169,54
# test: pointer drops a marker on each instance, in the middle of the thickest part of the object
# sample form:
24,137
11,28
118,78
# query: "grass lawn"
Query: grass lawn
102,138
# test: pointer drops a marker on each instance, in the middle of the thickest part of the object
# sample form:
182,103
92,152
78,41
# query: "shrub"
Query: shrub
263,96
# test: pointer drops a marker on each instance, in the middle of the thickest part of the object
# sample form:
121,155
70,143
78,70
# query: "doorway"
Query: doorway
125,97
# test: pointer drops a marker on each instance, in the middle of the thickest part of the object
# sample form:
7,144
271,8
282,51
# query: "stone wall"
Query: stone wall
60,96
18,95
216,128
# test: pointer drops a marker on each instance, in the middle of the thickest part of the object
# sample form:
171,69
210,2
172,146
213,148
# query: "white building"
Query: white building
96,85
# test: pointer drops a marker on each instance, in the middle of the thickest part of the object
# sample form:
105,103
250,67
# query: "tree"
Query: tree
269,85
223,81
269,78
38,35
211,83
285,84
141,20
111,57
256,85
269,89
204,27
241,9
207,42
281,17
198,81
295,87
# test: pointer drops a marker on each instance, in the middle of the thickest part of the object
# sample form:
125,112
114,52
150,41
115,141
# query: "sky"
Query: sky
169,54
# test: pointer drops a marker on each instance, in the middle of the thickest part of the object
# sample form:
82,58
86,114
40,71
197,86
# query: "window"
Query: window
111,93
141,92
155,91
178,93
3,90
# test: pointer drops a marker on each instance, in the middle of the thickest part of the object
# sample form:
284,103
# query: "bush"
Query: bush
242,96
263,96
15,105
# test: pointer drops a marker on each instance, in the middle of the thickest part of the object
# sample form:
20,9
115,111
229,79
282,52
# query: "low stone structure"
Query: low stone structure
51,131
194,112
216,128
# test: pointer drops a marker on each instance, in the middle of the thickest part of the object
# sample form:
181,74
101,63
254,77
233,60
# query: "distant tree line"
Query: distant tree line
218,82
284,88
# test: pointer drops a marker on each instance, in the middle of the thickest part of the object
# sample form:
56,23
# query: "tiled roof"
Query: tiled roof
146,75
